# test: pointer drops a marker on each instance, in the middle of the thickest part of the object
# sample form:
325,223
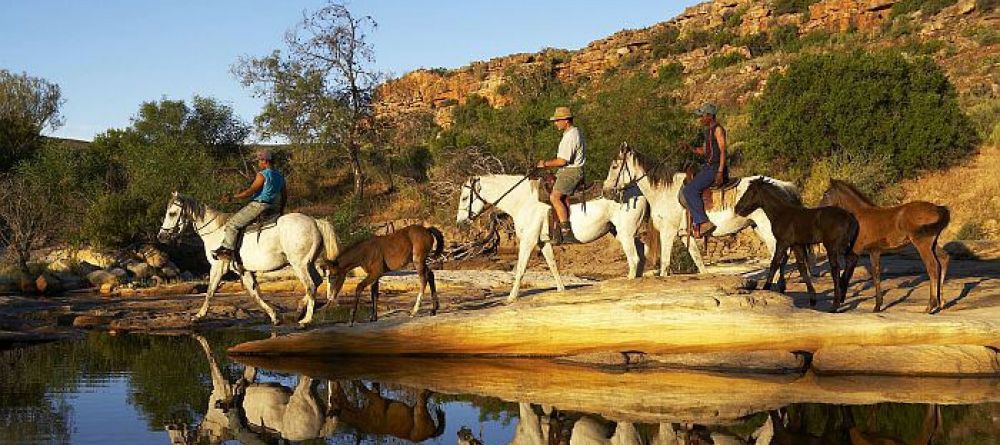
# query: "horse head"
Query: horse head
175,220
753,198
832,196
470,202
621,174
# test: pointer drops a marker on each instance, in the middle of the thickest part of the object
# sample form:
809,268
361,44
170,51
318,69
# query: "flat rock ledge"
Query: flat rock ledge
683,322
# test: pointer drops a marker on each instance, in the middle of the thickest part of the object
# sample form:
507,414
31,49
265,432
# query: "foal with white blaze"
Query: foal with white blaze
297,240
661,185
518,197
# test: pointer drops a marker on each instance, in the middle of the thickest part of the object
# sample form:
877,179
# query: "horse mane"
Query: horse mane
659,173
850,189
190,207
776,193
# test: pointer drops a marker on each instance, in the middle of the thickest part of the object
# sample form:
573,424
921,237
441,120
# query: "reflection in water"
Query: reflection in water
180,390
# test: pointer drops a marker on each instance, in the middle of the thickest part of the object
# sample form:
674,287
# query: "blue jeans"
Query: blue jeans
692,193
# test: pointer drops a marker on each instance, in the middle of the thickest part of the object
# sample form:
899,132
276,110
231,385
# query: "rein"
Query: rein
488,205
624,168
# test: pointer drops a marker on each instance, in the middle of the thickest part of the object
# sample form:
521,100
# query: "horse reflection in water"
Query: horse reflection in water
379,415
254,412
550,426
257,413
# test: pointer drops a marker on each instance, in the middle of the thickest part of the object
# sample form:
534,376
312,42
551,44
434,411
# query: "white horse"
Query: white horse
297,240
662,189
518,198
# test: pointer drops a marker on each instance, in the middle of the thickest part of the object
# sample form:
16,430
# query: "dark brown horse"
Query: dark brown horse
381,254
795,226
886,228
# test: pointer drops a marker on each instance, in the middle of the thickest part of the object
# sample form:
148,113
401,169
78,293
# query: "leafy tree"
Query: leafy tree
862,105
319,94
28,106
639,110
792,6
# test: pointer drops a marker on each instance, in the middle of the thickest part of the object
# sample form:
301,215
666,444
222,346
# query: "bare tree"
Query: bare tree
28,217
320,92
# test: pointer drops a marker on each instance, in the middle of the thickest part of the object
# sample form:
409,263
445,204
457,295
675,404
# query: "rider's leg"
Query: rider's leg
240,220
559,205
692,194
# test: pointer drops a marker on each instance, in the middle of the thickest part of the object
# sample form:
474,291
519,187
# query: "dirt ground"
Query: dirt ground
468,285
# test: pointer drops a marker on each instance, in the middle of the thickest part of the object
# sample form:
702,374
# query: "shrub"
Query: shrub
670,75
662,41
987,5
984,36
870,174
720,61
784,37
791,6
348,221
858,104
926,7
971,231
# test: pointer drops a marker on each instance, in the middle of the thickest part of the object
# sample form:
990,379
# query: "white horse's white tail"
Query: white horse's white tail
331,248
331,245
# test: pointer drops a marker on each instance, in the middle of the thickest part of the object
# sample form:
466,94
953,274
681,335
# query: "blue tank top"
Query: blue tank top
273,184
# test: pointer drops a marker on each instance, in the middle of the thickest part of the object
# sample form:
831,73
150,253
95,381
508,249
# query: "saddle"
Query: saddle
579,196
715,197
263,222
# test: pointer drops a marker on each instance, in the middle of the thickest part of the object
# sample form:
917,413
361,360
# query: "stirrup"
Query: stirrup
568,237
222,253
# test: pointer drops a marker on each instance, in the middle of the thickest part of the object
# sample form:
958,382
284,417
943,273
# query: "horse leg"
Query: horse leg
776,262
850,262
924,247
802,261
782,284
695,252
369,279
667,236
833,256
374,316
525,246
250,283
943,260
875,257
434,291
421,267
214,278
550,260
307,303
631,253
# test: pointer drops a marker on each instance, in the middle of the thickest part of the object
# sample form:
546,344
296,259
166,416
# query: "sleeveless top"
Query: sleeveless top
270,193
713,153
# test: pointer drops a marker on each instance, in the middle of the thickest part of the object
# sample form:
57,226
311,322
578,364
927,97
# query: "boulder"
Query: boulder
99,259
47,283
153,256
186,276
140,270
71,281
170,270
60,265
101,277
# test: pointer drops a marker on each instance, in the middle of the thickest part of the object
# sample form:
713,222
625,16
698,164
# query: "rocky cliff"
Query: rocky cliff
437,91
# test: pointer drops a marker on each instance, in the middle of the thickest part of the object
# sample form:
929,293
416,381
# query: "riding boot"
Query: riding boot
567,234
222,253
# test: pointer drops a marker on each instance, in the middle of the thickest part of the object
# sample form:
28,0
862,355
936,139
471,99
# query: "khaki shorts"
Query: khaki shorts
568,179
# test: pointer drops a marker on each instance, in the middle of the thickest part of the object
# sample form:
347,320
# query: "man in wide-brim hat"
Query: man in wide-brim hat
569,160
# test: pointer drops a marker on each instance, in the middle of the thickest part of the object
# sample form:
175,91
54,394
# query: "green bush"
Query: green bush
792,6
671,75
349,223
926,7
858,104
870,174
987,5
971,231
662,41
983,35
720,61
784,37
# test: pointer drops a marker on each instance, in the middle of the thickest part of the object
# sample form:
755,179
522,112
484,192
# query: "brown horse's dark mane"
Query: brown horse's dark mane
659,173
776,194
850,189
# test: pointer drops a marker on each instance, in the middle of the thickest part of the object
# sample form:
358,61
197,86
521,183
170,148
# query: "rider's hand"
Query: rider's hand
718,179
540,164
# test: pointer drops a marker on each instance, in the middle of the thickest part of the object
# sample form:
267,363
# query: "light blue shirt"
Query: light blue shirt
273,184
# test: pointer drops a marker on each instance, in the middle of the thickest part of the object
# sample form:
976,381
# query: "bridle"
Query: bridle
473,186
183,220
620,186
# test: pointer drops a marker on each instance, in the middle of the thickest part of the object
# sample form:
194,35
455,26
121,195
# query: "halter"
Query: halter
185,218
624,168
474,192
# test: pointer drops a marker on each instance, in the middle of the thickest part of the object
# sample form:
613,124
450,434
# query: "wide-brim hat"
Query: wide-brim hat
707,108
561,113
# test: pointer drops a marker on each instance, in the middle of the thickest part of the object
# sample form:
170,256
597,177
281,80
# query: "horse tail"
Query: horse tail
438,241
331,244
439,427
934,228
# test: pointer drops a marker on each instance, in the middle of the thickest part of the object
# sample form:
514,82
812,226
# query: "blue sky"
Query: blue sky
111,55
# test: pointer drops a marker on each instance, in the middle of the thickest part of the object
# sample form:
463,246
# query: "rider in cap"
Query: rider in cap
267,192
712,172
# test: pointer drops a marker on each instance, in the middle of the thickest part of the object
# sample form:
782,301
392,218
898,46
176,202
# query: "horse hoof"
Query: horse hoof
812,302
413,314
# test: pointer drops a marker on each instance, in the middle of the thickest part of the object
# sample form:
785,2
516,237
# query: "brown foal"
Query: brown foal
381,254
888,228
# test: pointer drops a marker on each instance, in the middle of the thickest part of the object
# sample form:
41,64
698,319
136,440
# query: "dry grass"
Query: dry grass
970,190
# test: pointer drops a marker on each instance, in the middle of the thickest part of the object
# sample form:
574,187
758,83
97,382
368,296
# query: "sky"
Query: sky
109,56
